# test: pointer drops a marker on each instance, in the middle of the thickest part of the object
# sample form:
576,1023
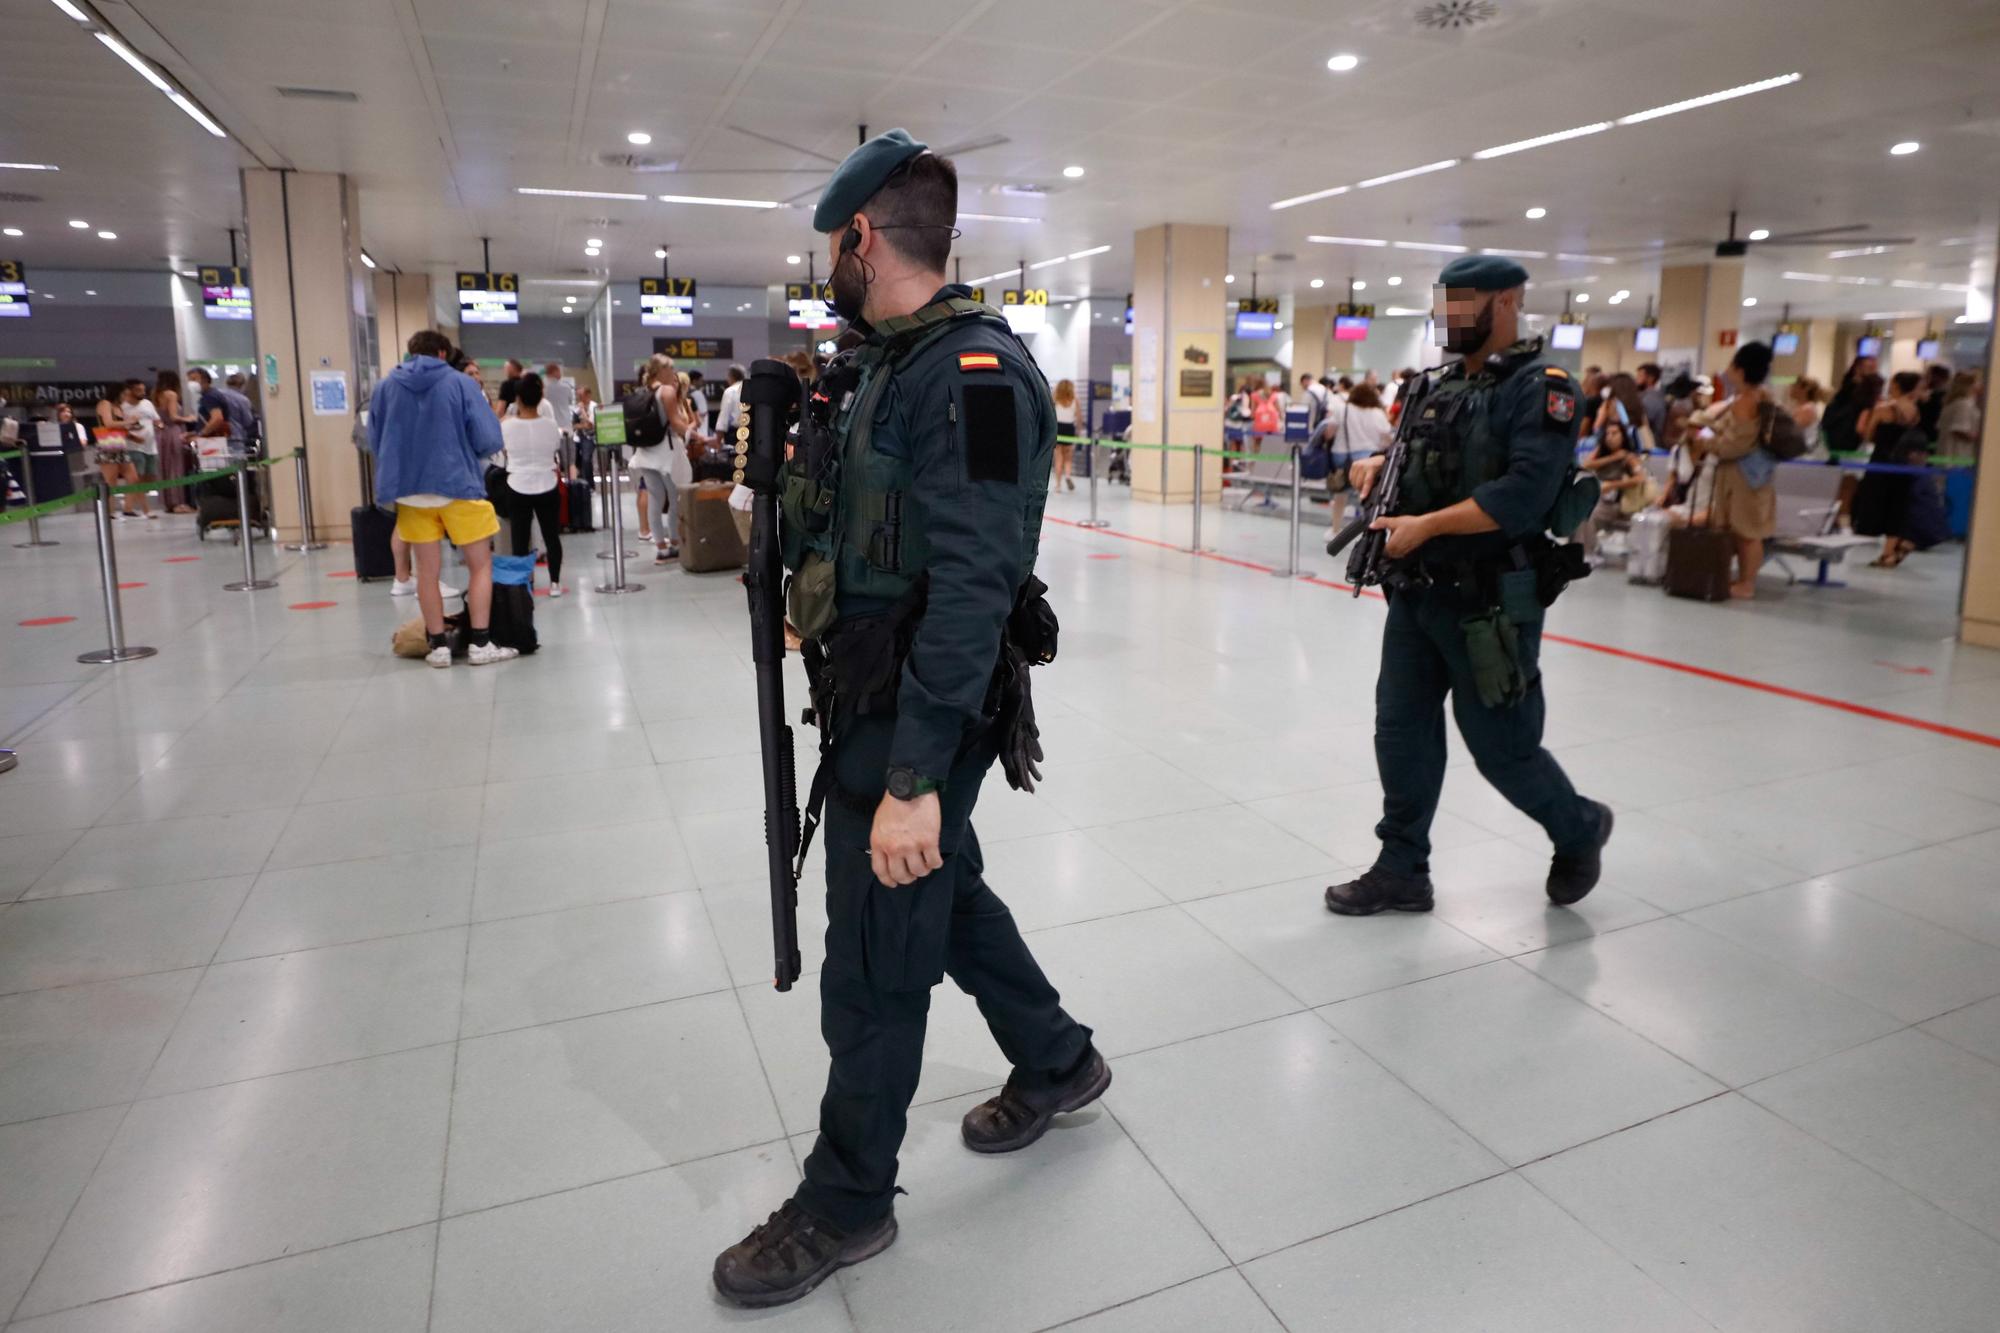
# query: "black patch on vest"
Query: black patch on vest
992,446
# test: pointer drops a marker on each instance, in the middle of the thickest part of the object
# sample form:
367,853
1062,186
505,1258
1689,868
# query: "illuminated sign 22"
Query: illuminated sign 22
1258,305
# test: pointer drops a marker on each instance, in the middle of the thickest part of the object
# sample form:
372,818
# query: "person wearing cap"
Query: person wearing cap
1487,452
934,433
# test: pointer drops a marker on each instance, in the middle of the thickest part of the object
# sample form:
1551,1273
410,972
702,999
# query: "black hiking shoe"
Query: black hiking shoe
1574,874
1019,1116
792,1253
1380,890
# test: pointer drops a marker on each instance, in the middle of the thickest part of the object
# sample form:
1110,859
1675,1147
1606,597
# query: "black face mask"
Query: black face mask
850,287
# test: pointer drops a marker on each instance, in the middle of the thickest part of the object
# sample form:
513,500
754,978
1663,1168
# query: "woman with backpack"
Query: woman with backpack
658,430
1267,416
1746,492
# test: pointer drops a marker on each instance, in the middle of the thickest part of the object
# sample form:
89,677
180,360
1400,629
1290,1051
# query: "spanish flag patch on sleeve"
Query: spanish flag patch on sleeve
978,361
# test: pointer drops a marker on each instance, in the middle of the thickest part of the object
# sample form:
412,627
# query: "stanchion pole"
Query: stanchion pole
8,760
34,519
1291,569
616,582
249,582
607,492
308,539
114,612
1196,547
1093,521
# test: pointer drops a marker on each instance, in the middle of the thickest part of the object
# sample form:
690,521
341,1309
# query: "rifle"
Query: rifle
1369,565
771,402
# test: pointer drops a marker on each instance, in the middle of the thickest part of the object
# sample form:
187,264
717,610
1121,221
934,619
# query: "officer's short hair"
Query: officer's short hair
429,342
917,210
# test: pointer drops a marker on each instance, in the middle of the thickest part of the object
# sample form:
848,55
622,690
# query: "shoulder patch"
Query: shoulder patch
1555,372
978,361
1561,405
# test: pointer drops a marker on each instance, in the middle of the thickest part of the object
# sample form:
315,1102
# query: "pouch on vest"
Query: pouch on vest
809,596
1494,648
1574,503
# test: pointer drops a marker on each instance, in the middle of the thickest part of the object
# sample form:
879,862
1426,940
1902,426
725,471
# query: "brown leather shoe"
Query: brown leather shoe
791,1253
1019,1116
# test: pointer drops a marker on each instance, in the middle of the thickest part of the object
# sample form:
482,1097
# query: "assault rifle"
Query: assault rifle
1369,564
770,406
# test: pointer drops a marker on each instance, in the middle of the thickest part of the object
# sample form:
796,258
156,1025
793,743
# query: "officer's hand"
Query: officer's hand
1406,533
1362,474
903,845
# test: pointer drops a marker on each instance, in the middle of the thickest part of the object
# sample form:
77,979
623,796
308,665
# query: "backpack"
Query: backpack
645,426
1265,419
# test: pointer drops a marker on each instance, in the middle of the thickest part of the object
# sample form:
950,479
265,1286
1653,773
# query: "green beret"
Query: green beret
856,180
1482,273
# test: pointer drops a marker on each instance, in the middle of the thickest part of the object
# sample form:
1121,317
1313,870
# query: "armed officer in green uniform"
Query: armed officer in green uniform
912,517
1487,447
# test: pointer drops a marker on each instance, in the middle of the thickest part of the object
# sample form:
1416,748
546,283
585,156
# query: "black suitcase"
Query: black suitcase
371,528
576,507
1698,563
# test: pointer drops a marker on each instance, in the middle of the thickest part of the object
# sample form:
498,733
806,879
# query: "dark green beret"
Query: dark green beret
856,180
1483,273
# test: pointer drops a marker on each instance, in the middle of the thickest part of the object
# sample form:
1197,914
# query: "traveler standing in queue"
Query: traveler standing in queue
114,447
431,430
945,453
661,466
1065,400
559,406
533,457
176,455
1491,443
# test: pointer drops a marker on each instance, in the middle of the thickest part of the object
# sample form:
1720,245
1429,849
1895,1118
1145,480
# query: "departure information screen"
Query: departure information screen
666,303
225,292
489,298
13,290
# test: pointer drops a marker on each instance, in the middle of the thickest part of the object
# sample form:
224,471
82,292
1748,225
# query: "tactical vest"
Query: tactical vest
851,534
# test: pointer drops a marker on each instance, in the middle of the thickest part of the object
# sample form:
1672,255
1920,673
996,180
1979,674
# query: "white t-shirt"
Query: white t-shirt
669,456
1066,416
532,447
731,415
145,430
1362,430
559,402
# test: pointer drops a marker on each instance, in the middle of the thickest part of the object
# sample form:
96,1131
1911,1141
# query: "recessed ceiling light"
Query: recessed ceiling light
660,253
704,305
1073,172
107,235
1621,294
13,231
1434,247
1343,62
89,292
1229,277
1085,254
994,217
793,259
1359,286
1277,323
1395,282
367,259
594,241
66,7
79,224
1761,234
1583,298
639,137
1536,214
1615,299
1905,148
1749,301
1317,282
1298,199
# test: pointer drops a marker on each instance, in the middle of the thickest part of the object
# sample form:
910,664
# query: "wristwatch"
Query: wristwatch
905,784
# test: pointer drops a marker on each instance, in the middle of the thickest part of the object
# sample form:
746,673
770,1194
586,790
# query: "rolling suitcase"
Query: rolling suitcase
371,528
709,539
576,507
1646,561
1698,563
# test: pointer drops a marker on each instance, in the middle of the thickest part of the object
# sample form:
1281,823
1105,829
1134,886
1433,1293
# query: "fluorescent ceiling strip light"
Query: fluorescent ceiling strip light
1956,287
580,194
199,116
368,259
994,277
1859,252
1523,145
994,217
66,7
1346,240
717,202
1709,99
1298,199
132,58
1587,259
29,166
1894,314
1807,277
1401,311
1859,282
1424,170
1432,246
1913,284
1049,263
1085,254
1515,254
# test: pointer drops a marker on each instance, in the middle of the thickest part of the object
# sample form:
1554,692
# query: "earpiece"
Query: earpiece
850,240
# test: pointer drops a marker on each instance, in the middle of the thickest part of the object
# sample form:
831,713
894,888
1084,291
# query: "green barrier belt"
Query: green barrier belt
1121,444
172,483
11,453
36,510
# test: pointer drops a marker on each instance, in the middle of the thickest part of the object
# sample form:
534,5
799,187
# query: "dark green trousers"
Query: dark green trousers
1423,661
886,947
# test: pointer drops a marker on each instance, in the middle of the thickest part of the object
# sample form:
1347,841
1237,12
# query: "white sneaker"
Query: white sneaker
446,590
438,657
402,587
555,590
480,654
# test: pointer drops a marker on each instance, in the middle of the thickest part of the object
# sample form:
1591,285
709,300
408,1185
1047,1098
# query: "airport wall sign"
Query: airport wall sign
696,349
807,306
14,302
666,302
1025,296
225,292
489,298
1257,305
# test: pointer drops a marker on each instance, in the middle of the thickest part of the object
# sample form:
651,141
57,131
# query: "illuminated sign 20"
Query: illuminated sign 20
1032,296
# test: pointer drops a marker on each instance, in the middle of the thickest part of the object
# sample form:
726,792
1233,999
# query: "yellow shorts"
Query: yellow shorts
464,521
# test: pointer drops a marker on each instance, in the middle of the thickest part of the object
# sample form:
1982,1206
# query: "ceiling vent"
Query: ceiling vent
318,94
1282,258
1475,224
10,197
633,161
1456,15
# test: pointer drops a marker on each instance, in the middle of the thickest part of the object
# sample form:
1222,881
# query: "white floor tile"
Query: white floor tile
45,1164
378,825
1058,878
549,871
1203,852
76,1047
97,936
1975,1027
1218,1301
342,902
169,851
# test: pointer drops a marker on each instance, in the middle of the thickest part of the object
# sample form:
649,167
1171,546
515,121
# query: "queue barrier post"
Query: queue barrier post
249,582
8,760
35,537
107,568
1196,546
1093,521
308,538
607,478
616,581
1291,569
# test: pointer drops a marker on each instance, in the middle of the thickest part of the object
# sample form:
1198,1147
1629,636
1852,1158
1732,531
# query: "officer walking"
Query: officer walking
1488,452
916,493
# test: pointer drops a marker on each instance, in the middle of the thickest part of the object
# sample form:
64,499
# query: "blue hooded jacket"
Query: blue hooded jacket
428,427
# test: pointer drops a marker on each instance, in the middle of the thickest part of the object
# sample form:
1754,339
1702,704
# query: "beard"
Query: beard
850,288
1464,341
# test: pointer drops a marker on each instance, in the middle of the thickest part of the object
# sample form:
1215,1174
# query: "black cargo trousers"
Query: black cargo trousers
886,947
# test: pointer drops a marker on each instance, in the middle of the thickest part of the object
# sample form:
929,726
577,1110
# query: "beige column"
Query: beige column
1700,305
402,306
1817,341
1312,339
1979,606
312,295
1180,368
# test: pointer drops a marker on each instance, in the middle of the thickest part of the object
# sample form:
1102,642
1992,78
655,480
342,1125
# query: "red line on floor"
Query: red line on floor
40,621
341,574
180,559
1667,663
312,606
123,586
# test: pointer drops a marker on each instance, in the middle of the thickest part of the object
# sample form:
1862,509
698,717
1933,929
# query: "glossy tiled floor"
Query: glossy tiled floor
337,993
